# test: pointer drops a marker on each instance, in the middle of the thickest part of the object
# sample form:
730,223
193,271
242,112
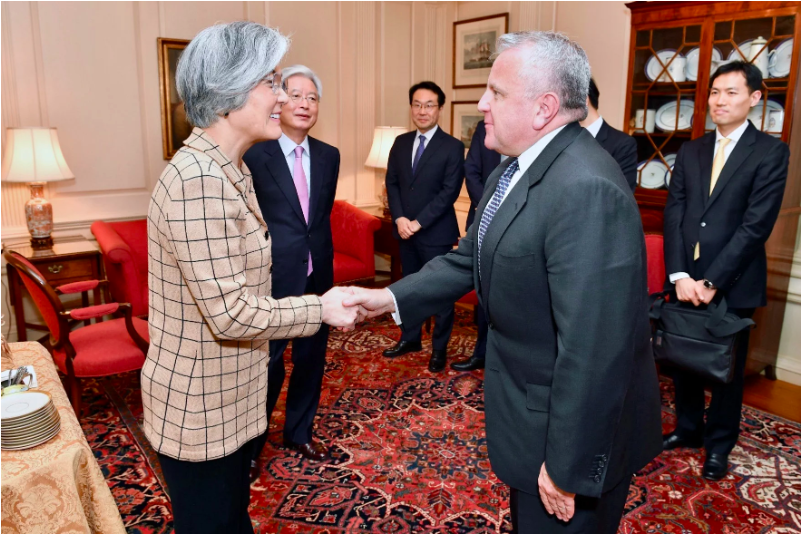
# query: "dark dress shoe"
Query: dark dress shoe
673,440
401,348
253,473
470,364
438,361
314,451
715,467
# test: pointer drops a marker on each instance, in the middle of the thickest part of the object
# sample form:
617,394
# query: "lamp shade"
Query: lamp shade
34,155
383,138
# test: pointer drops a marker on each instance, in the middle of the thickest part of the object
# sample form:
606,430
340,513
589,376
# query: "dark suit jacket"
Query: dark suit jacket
570,377
623,148
293,238
429,195
479,163
731,225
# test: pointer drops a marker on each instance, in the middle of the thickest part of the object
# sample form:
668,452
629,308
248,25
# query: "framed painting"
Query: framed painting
175,128
474,46
464,118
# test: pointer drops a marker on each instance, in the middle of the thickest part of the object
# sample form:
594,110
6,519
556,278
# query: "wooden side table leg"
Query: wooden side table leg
15,287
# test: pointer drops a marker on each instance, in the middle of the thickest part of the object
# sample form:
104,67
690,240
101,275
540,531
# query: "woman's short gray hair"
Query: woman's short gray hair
221,66
552,62
306,72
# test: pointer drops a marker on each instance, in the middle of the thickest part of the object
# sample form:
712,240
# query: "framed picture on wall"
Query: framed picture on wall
474,45
464,118
175,128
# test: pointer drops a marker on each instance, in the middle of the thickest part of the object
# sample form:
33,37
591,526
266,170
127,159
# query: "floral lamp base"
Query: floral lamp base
39,216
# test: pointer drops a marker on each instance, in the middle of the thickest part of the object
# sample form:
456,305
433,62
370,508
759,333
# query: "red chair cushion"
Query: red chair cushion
469,298
104,349
347,268
655,264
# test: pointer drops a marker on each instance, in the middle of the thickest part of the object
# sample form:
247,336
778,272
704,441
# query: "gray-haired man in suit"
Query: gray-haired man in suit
558,259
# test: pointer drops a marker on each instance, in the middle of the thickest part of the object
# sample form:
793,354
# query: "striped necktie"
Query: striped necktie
495,202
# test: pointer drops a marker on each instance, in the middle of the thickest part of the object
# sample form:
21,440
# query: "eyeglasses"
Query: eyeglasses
274,79
429,106
311,98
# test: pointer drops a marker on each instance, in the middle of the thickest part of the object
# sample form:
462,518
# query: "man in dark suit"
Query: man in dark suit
424,178
724,198
572,403
295,179
479,163
623,148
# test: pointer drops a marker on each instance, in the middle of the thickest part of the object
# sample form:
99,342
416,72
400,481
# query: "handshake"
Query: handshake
345,306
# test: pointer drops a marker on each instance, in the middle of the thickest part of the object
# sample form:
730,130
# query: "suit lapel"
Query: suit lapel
601,136
277,166
706,152
516,199
317,168
428,150
740,153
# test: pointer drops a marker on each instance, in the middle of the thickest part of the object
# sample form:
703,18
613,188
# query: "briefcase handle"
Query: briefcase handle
715,323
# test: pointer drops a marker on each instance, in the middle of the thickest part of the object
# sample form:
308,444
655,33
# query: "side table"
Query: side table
61,264
385,243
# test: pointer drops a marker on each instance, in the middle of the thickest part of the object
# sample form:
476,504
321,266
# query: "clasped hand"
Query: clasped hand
407,228
344,307
693,291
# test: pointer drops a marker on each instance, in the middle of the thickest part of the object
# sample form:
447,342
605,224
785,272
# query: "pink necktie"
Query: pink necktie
299,177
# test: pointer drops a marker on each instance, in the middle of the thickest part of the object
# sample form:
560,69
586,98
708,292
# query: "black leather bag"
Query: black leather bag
698,340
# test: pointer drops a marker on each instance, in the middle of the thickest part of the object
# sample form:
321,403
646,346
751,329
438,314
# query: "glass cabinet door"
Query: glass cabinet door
664,87
768,43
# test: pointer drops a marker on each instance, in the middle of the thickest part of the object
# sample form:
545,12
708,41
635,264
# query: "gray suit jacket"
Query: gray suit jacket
570,378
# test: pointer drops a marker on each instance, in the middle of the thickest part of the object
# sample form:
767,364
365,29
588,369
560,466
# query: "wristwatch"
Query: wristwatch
709,285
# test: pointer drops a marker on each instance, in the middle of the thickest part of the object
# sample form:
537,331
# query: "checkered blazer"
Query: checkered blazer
204,382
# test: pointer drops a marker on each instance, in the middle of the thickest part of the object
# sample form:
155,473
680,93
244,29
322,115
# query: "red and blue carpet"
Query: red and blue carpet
410,455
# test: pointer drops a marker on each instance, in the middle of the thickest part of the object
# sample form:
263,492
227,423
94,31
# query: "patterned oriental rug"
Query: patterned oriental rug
410,455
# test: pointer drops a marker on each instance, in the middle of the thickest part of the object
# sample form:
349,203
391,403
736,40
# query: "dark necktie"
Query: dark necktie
495,202
419,152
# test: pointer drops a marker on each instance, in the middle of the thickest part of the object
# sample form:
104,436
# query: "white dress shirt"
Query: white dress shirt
525,160
594,127
734,136
288,150
428,135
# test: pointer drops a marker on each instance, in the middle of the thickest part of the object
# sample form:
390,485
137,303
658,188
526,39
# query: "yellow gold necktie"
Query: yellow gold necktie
718,165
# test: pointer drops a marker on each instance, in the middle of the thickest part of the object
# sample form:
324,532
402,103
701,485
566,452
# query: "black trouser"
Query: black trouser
303,393
413,257
591,515
210,496
724,415
481,333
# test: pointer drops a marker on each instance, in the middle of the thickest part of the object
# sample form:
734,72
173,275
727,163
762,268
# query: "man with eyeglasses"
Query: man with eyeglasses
295,179
424,178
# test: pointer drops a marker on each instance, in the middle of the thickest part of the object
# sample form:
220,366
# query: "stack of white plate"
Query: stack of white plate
27,419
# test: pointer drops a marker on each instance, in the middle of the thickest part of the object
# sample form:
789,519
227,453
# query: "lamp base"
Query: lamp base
42,243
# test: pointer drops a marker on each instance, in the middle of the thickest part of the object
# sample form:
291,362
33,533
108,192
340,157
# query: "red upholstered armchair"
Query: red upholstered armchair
352,233
655,263
125,257
115,346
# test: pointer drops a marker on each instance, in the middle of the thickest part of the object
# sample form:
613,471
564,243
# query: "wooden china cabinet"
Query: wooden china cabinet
674,48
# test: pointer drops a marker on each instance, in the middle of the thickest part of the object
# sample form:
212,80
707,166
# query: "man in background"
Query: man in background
424,178
724,198
622,147
295,179
479,163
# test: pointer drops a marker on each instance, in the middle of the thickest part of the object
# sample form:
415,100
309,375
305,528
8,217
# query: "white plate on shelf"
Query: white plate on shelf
692,63
780,62
653,67
652,174
666,117
736,56
670,159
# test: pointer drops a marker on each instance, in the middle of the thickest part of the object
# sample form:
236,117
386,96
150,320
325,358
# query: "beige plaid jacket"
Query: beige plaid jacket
204,382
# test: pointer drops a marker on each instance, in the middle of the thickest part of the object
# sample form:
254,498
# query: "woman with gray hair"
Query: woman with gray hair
204,382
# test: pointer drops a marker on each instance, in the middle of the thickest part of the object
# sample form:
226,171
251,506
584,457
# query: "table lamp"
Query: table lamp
33,155
383,139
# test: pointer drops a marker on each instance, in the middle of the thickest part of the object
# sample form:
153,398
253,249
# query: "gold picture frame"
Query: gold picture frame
464,118
175,128
474,45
